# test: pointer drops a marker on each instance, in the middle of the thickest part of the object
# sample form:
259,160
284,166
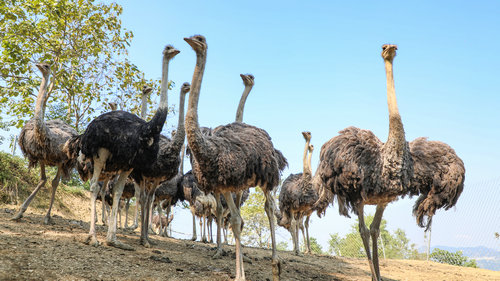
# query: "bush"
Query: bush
457,258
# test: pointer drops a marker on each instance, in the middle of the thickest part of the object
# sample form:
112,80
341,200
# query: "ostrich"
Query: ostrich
237,156
222,208
361,170
164,168
42,143
170,192
117,142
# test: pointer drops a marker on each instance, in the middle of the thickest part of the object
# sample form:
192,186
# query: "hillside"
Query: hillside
30,250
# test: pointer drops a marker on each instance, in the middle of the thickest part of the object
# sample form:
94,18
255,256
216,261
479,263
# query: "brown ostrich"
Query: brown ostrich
117,142
222,208
237,156
42,143
361,170
298,199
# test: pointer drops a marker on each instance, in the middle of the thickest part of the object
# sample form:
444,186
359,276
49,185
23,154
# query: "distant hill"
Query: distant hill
486,258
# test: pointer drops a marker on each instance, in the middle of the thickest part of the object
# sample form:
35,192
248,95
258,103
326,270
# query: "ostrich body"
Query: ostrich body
117,142
298,199
222,208
361,170
42,143
237,156
164,168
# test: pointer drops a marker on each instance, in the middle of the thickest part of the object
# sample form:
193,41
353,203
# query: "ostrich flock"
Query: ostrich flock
126,156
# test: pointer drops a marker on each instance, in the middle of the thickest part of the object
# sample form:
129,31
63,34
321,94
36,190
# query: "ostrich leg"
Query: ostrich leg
148,205
202,230
143,213
307,234
117,194
137,196
300,225
269,207
160,214
127,205
193,238
219,218
104,217
41,183
55,183
375,232
236,223
365,236
293,232
99,162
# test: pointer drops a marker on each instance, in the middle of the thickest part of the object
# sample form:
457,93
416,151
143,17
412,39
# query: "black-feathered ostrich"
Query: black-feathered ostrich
117,142
164,168
237,156
222,208
298,199
361,170
42,143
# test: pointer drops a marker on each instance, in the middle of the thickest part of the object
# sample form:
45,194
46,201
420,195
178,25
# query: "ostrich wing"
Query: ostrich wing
348,167
438,176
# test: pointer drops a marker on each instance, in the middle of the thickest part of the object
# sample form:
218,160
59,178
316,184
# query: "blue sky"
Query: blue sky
317,67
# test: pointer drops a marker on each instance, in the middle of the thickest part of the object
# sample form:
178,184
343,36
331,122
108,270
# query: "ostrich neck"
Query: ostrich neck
309,162
396,131
156,124
144,106
164,84
181,167
241,106
40,107
306,169
193,132
178,140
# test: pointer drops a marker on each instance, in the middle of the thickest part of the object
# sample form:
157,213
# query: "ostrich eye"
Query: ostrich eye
199,39
384,47
251,77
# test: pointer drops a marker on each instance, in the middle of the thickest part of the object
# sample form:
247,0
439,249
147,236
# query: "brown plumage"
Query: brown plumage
361,170
42,143
237,156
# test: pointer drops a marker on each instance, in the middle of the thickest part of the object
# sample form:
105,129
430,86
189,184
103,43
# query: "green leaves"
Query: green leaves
457,258
86,46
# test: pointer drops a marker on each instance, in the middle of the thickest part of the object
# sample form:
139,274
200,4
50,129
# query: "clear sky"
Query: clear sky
317,67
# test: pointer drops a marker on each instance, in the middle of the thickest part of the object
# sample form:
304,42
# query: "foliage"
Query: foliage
84,43
394,246
457,258
282,246
15,179
315,246
497,235
256,231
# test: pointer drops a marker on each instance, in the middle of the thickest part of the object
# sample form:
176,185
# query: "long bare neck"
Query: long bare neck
306,168
193,132
309,161
180,134
144,105
241,105
40,107
164,84
396,130
181,167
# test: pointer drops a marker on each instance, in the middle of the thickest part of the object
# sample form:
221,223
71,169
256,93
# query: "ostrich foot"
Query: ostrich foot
218,254
299,254
117,244
132,227
17,217
92,241
47,220
193,238
276,269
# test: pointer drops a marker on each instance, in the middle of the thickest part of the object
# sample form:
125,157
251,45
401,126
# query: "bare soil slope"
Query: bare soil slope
30,250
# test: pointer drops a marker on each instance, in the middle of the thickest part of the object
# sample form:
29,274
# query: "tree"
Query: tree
315,246
457,258
86,46
394,246
256,231
282,246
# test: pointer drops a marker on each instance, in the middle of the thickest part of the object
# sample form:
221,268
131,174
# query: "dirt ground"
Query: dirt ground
30,250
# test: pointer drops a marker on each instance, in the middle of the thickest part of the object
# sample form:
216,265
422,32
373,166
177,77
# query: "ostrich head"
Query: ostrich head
307,135
197,42
248,79
172,134
113,106
170,52
389,51
44,68
311,148
185,88
146,89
